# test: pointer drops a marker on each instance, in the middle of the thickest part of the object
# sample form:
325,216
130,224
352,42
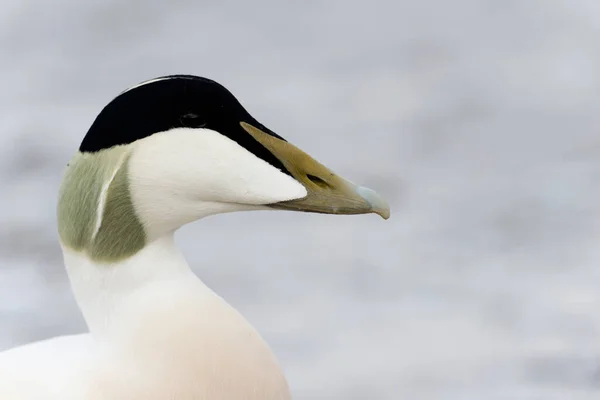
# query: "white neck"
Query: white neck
159,320
103,290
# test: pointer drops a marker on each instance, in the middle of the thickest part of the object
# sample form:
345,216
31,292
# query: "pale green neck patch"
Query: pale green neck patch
95,210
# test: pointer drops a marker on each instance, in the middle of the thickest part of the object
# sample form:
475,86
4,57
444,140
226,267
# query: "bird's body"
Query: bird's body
42,369
156,330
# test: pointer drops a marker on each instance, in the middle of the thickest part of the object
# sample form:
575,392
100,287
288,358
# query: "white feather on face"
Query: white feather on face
184,174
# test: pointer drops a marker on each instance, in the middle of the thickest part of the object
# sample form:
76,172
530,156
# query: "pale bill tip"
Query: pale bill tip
377,203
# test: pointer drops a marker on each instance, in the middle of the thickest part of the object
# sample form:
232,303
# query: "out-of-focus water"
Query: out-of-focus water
478,120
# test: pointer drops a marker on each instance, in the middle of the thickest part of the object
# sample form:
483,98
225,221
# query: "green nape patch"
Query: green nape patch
121,233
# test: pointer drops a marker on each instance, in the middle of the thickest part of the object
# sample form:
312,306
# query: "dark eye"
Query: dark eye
191,120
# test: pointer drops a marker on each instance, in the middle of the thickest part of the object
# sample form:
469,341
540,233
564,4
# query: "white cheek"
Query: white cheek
183,172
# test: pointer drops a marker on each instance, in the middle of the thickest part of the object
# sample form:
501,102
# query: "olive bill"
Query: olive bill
327,193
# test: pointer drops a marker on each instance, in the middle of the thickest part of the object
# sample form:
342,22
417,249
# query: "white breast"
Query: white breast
157,333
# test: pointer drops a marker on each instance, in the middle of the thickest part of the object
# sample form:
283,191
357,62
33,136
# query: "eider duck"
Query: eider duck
162,154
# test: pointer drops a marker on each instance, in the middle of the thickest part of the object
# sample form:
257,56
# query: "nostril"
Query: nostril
317,181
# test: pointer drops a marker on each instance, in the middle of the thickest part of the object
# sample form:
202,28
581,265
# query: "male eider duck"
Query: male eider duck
160,155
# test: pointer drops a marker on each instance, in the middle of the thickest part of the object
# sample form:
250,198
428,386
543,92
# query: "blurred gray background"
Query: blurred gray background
477,119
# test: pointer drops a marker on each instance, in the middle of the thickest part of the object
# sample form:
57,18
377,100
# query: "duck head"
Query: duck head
178,148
